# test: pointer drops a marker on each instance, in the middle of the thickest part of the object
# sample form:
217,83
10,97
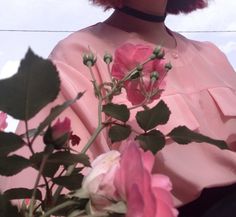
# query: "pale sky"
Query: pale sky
76,14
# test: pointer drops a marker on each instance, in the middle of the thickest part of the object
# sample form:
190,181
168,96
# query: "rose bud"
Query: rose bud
89,59
108,58
58,135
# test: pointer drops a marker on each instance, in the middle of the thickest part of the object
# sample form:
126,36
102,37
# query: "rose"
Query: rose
116,178
3,122
97,184
58,134
149,85
61,128
102,166
146,194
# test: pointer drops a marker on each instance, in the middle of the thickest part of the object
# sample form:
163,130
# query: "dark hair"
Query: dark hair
184,6
173,6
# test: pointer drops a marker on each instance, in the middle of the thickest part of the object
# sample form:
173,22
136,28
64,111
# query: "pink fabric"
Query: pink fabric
3,121
200,91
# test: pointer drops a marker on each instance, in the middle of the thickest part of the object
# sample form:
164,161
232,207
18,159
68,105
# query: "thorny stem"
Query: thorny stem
28,138
59,207
99,128
91,72
84,150
109,71
139,105
130,73
48,190
60,174
148,95
48,151
93,137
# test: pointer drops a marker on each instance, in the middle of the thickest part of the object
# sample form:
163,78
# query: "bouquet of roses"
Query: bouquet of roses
113,184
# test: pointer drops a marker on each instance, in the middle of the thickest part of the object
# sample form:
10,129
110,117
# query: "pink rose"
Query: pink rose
59,134
144,88
61,128
146,194
126,179
3,122
98,183
101,168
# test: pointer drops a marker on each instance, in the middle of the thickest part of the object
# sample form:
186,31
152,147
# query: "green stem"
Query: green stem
98,129
100,125
120,82
91,73
27,137
48,151
109,71
59,207
86,147
92,139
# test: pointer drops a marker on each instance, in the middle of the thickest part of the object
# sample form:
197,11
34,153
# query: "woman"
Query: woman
200,92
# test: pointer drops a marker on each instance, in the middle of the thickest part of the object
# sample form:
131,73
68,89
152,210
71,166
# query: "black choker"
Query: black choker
141,15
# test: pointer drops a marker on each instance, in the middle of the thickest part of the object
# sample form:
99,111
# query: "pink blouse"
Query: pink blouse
200,92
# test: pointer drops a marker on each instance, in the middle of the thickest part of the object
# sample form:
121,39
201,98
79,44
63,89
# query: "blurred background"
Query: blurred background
40,24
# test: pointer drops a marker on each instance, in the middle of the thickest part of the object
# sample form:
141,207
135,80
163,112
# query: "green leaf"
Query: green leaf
183,135
55,112
22,193
35,85
71,182
12,165
9,142
151,118
66,158
49,169
119,112
153,141
119,132
7,209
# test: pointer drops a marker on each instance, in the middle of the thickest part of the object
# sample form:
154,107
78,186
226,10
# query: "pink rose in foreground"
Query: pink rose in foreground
127,57
102,166
126,178
3,122
98,184
146,194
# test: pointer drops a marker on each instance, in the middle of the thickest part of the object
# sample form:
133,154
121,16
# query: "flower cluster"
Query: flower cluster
120,184
146,82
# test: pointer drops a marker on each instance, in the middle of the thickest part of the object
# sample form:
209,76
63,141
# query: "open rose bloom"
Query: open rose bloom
144,88
3,122
124,183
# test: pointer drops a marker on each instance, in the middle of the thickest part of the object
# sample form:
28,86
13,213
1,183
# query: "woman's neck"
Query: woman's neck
156,7
154,32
